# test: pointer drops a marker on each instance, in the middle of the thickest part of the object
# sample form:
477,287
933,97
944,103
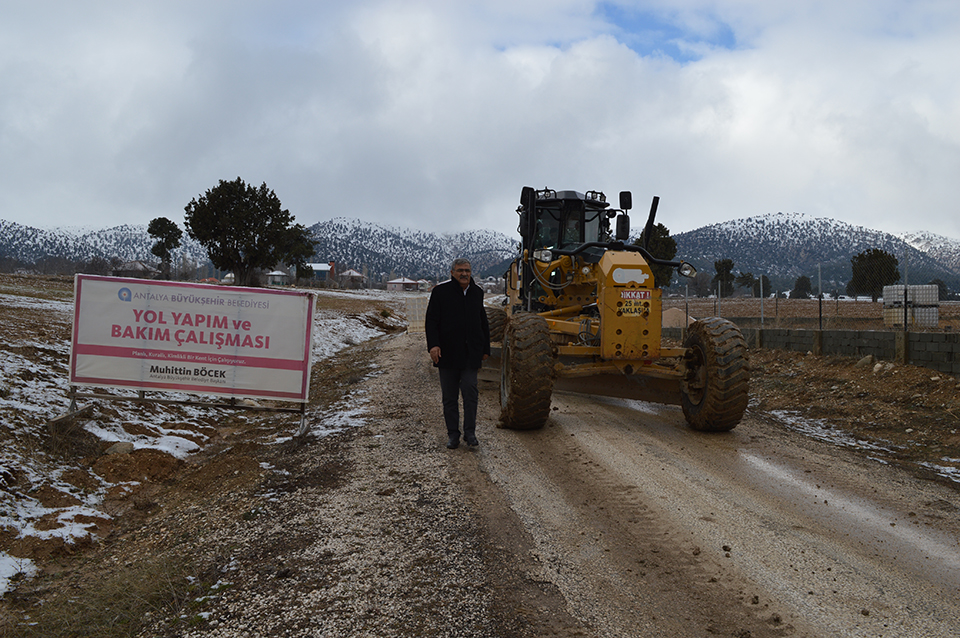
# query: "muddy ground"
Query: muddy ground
222,515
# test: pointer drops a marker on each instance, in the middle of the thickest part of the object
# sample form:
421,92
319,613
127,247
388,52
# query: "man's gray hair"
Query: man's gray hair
459,262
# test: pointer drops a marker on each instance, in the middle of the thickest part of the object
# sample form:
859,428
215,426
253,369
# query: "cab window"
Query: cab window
591,230
571,231
548,230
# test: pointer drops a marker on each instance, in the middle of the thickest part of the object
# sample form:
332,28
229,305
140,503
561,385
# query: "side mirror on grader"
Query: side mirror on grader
623,221
623,228
583,314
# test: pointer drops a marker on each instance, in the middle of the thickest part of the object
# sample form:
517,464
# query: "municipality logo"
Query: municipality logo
125,294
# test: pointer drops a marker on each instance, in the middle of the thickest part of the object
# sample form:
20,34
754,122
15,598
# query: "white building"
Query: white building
402,284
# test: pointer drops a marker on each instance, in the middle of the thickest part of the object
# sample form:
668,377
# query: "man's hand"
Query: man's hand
435,354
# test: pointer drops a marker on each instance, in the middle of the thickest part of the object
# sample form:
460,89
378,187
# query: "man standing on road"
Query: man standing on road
458,340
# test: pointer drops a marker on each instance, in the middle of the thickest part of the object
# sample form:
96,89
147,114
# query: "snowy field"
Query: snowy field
33,391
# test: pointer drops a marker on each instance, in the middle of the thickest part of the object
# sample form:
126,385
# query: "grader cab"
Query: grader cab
582,314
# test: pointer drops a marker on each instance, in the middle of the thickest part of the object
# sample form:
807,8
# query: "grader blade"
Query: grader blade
609,384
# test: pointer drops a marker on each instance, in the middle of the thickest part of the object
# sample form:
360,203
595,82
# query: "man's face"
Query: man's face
462,275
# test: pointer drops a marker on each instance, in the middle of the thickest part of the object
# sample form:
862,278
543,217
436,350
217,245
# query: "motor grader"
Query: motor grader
582,313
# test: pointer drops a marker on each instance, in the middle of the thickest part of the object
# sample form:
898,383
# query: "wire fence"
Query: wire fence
812,314
865,274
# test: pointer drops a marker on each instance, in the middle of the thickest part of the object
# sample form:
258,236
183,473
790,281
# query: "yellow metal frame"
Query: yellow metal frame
621,285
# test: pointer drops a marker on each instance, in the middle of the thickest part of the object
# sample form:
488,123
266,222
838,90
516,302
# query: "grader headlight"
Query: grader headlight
543,255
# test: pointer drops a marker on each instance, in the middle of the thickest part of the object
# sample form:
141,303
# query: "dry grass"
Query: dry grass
117,605
53,287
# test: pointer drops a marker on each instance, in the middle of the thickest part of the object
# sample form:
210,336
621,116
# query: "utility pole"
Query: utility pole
820,295
906,266
761,301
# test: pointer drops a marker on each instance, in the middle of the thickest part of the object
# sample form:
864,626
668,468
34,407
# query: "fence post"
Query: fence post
901,353
905,308
761,308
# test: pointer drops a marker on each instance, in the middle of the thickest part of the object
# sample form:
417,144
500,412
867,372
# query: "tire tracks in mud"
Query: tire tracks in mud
622,564
617,519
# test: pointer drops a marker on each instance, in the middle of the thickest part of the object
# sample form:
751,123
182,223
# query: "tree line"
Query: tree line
871,270
53,265
243,228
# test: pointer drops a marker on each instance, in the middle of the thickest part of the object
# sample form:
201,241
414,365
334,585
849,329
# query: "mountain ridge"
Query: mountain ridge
785,246
782,246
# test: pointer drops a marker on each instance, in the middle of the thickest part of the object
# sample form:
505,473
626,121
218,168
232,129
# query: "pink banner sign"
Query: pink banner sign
164,335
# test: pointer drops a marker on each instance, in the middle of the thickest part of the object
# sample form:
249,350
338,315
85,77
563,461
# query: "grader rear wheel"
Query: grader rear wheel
715,390
526,373
497,319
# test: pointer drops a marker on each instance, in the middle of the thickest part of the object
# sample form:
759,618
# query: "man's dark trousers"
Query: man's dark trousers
455,382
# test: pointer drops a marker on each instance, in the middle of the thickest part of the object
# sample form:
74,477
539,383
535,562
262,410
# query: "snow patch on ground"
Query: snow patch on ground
46,305
951,471
33,391
11,567
823,431
332,332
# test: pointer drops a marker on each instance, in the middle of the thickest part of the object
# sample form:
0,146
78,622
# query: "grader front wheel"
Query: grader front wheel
497,320
715,390
526,373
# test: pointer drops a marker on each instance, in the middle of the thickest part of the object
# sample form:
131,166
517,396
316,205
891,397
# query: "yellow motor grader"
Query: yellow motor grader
582,314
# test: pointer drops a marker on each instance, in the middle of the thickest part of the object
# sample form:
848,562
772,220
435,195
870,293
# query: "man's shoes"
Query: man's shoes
471,439
453,442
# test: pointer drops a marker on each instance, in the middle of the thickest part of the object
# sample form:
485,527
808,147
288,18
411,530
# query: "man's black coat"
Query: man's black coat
458,324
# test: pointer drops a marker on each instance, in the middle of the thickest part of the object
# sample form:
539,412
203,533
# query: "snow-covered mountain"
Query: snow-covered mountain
944,249
410,253
126,242
351,243
784,246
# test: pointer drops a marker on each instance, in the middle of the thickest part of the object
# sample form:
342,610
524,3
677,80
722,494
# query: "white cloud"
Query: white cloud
434,114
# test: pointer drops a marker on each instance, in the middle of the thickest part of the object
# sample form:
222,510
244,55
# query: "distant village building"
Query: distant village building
323,272
278,278
136,269
402,284
351,279
491,285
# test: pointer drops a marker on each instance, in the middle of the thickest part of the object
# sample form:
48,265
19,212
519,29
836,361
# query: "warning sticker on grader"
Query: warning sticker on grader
633,302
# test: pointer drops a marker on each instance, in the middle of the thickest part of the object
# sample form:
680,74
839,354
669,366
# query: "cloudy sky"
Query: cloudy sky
432,114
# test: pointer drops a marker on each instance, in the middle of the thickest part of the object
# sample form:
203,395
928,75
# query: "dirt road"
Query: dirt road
614,520
650,529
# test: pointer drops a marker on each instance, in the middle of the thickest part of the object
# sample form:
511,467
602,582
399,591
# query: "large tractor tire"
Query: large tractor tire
526,373
497,319
715,390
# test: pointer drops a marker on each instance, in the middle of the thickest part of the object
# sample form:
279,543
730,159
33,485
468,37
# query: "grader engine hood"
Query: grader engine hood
629,307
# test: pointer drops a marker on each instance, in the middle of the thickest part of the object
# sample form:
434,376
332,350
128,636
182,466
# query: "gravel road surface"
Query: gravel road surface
614,520
631,524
